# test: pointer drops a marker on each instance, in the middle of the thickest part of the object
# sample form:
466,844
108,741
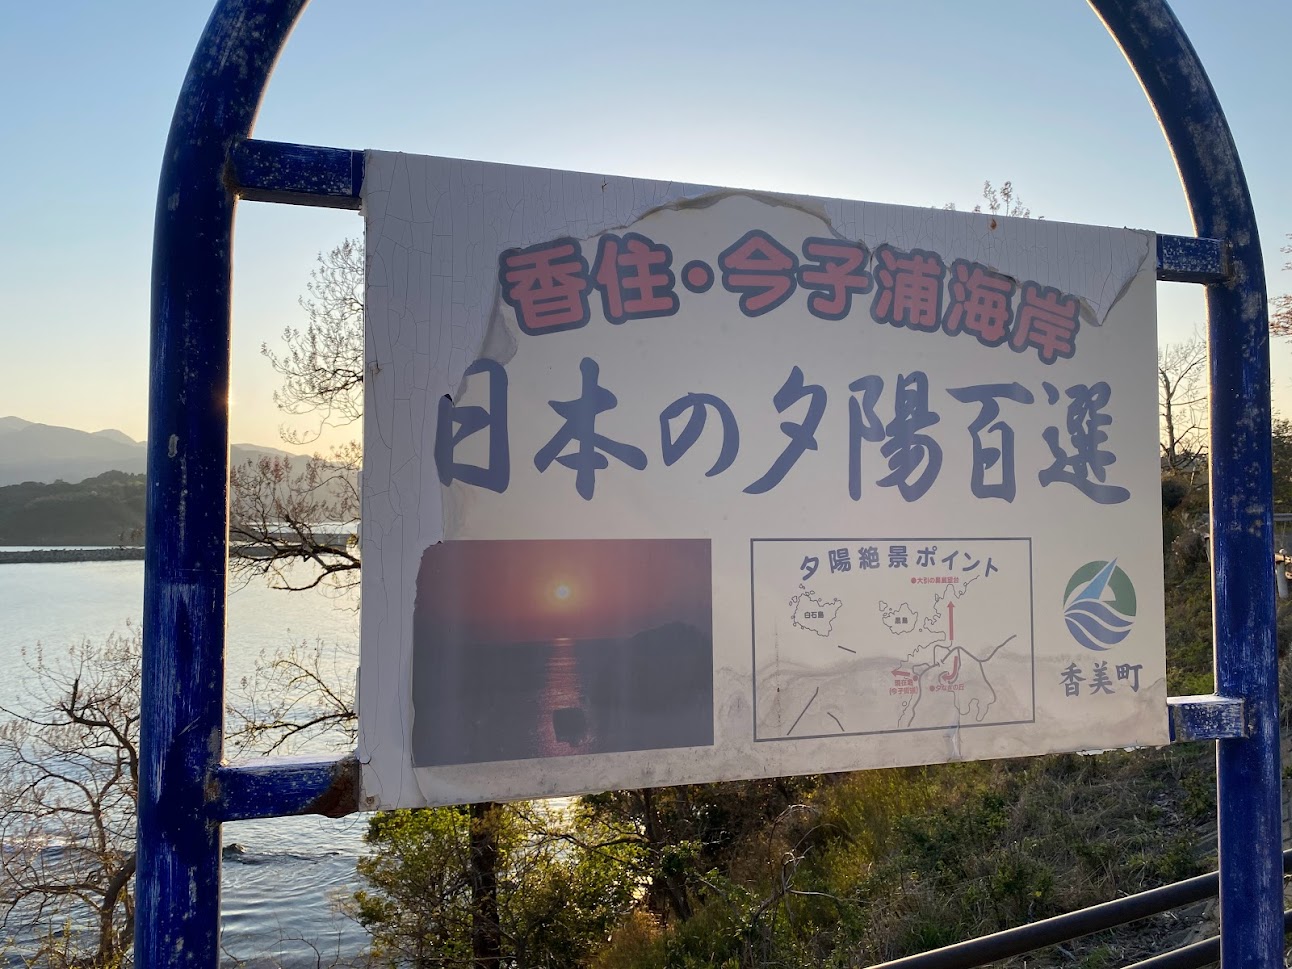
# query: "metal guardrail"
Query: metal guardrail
1064,928
1198,954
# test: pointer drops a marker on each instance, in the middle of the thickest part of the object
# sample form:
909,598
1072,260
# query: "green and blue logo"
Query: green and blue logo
1099,605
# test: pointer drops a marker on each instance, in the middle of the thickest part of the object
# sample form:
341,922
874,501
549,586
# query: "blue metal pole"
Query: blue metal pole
1248,775
178,876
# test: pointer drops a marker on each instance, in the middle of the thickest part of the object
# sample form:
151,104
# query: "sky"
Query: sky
567,589
915,103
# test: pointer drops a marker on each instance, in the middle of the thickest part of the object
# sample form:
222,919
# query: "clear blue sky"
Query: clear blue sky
916,103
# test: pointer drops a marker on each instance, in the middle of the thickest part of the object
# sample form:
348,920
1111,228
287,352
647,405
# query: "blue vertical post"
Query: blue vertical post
1248,774
178,876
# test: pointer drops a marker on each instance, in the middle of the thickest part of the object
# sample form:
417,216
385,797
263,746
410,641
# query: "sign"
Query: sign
670,484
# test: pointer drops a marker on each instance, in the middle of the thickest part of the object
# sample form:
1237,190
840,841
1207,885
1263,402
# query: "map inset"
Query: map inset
858,636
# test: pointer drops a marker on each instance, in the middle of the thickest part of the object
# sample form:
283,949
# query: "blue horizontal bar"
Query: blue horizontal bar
275,171
1184,259
283,786
1208,717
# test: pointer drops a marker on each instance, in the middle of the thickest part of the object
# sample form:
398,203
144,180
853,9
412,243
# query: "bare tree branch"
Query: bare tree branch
999,201
69,779
1281,318
283,513
322,367
301,695
1182,399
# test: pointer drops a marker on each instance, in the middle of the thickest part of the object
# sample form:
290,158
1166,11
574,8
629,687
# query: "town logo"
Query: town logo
1099,605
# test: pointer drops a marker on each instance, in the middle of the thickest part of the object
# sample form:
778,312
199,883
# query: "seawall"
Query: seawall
20,556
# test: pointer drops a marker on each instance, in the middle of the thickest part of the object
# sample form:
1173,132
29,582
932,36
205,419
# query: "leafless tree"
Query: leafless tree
999,201
69,784
1281,318
1182,399
322,366
69,779
1003,201
69,758
298,695
284,512
287,511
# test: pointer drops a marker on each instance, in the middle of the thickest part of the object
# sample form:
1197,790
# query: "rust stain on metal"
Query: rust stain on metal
342,796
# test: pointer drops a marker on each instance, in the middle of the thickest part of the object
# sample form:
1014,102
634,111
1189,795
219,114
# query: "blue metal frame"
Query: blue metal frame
186,791
1242,528
177,882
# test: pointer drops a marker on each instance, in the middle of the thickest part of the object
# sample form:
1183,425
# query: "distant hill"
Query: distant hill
46,453
107,509
112,434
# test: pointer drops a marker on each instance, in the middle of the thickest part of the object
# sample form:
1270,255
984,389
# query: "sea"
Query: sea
284,881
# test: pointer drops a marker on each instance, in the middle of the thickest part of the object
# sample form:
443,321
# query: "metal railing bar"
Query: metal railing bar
1063,928
285,786
1192,956
1206,717
1196,954
1185,259
277,171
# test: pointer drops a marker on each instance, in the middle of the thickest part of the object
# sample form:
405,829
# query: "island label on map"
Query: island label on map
865,636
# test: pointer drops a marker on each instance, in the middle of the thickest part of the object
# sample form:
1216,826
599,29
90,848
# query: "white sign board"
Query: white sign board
666,484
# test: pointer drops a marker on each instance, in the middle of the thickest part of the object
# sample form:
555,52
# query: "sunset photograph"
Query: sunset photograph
525,649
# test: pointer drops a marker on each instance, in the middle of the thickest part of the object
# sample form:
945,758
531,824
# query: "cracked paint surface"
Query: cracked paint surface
436,231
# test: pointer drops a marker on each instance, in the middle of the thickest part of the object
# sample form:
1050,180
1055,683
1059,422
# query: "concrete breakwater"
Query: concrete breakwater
27,555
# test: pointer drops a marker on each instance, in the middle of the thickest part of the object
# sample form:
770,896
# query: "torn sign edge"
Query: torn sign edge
527,206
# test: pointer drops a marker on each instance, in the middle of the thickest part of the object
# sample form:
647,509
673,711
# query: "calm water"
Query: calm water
279,890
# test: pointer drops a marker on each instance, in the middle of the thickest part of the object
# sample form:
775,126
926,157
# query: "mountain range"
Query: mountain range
45,452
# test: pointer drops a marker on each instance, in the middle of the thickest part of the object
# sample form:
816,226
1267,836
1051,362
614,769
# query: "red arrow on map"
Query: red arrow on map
951,621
